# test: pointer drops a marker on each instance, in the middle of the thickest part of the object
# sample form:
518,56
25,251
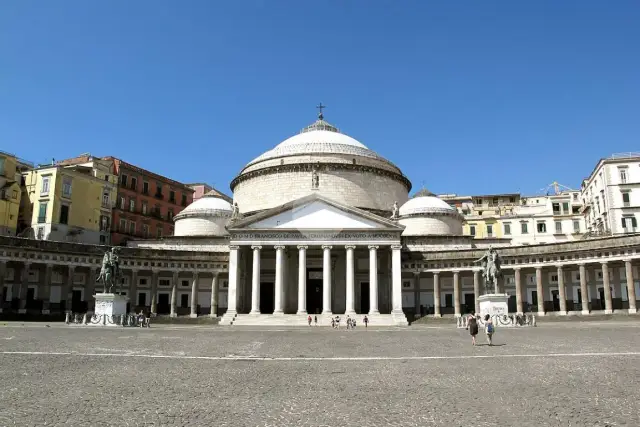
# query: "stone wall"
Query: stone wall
199,226
431,225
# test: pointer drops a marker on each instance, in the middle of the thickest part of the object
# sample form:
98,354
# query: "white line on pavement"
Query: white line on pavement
328,358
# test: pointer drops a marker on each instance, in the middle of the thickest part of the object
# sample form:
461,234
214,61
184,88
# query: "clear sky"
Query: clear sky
467,97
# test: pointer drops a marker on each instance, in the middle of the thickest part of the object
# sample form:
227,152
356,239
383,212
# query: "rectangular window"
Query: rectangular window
472,230
507,229
625,198
132,205
489,230
132,227
123,226
512,199
145,187
134,184
524,228
145,230
122,202
123,180
104,223
158,190
623,175
66,186
40,235
172,196
42,213
542,227
554,278
556,208
185,283
159,232
629,222
64,214
565,208
144,208
44,190
170,214
184,200
558,227
105,198
576,226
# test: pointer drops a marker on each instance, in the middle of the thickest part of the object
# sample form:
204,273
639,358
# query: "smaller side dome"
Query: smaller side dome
425,215
207,216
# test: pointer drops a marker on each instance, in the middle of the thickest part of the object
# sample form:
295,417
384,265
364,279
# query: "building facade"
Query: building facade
146,203
322,225
68,202
611,195
10,191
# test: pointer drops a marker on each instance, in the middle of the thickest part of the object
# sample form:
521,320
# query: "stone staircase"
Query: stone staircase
300,320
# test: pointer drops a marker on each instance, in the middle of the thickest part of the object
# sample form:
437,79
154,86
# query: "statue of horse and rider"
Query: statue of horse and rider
491,270
110,271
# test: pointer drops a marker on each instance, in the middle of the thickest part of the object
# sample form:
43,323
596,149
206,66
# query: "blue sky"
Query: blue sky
465,97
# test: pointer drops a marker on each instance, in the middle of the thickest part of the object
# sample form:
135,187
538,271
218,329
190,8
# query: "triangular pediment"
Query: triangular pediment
316,213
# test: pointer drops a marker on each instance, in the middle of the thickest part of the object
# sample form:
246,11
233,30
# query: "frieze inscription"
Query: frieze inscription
311,236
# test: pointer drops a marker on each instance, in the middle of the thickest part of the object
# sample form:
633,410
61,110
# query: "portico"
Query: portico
314,250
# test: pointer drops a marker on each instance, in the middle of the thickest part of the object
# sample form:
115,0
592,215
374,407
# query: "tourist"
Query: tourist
366,321
309,320
489,328
337,322
333,323
472,326
348,322
315,320
353,323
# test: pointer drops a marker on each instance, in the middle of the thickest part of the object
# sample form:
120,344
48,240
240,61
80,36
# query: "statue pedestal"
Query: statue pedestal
109,311
493,304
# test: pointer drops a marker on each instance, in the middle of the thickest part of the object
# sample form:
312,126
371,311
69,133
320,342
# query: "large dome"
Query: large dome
320,160
207,216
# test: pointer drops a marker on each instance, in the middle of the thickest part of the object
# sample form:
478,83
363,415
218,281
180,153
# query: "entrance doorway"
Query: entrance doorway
556,300
267,295
601,302
314,291
76,301
365,295
164,307
469,303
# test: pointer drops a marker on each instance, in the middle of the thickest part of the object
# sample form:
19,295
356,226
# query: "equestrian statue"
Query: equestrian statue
110,271
491,271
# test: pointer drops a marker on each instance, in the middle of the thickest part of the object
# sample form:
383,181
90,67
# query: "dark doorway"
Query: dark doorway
556,300
601,302
448,300
534,299
142,299
314,293
365,295
76,301
184,301
511,304
163,303
267,295
579,298
31,296
470,303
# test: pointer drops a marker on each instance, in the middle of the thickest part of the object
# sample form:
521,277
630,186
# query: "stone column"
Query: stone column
396,279
373,280
606,285
416,292
194,294
561,292
255,281
90,289
46,289
279,272
326,280
133,289
3,273
540,291
174,295
631,288
436,295
476,290
584,291
233,280
214,295
456,293
302,279
518,280
23,286
67,288
154,292
350,308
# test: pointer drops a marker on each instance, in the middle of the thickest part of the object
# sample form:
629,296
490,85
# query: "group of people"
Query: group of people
335,321
489,328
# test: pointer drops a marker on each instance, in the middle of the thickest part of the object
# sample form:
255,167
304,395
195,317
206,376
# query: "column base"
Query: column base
562,313
585,312
327,312
437,315
541,313
633,311
456,315
254,312
173,315
193,315
301,312
608,312
373,312
278,313
519,313
213,315
350,313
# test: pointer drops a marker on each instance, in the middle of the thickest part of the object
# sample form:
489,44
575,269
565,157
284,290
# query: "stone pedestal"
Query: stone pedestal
493,304
109,309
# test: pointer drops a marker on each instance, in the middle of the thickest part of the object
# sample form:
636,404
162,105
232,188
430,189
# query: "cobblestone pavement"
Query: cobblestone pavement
561,375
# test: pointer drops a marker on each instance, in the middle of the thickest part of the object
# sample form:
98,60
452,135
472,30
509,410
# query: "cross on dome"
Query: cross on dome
321,107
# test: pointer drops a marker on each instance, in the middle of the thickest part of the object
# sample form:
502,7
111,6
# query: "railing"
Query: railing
159,196
624,155
507,320
132,320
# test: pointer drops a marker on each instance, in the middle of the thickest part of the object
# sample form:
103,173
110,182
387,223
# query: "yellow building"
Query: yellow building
69,202
483,214
10,193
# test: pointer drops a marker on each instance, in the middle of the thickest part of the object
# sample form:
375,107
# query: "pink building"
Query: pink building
200,189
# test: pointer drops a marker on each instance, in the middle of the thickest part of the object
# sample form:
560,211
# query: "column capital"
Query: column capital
456,272
417,273
517,268
279,247
352,247
373,247
327,247
538,269
234,247
396,247
303,247
436,274
604,263
254,247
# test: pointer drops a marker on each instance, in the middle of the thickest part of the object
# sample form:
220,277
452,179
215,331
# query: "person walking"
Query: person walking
489,328
309,320
472,325
348,322
366,321
315,320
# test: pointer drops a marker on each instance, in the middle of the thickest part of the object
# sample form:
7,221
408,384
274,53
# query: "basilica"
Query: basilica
322,225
